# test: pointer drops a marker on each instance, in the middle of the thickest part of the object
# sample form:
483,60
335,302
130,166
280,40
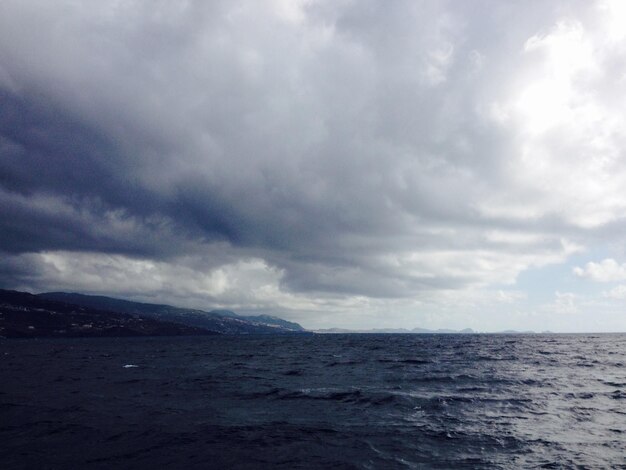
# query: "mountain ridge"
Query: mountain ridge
219,320
25,315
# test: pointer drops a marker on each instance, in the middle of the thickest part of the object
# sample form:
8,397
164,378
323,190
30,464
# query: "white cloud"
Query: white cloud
608,270
615,11
551,96
617,293
565,303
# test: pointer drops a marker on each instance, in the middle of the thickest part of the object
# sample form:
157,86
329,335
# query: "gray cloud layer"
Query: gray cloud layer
376,149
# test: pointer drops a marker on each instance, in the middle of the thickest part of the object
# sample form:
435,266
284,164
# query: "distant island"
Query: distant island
61,314
392,331
465,331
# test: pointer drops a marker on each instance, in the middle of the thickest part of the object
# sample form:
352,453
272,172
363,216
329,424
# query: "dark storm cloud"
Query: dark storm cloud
349,144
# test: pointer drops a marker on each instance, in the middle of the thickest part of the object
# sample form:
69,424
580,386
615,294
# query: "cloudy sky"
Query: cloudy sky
338,163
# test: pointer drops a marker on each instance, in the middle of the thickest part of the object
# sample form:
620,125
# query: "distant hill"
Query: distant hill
273,321
516,332
397,331
221,321
24,315
423,331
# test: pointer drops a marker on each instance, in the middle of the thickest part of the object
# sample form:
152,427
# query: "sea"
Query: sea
315,401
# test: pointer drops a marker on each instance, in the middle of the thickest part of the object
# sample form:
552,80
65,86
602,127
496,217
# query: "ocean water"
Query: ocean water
322,401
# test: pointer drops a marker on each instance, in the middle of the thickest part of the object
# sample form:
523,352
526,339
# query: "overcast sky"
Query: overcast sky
338,163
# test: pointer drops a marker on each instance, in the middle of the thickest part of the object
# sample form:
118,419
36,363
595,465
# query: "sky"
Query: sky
355,164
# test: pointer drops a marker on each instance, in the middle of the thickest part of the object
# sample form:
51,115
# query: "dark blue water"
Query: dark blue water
333,401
